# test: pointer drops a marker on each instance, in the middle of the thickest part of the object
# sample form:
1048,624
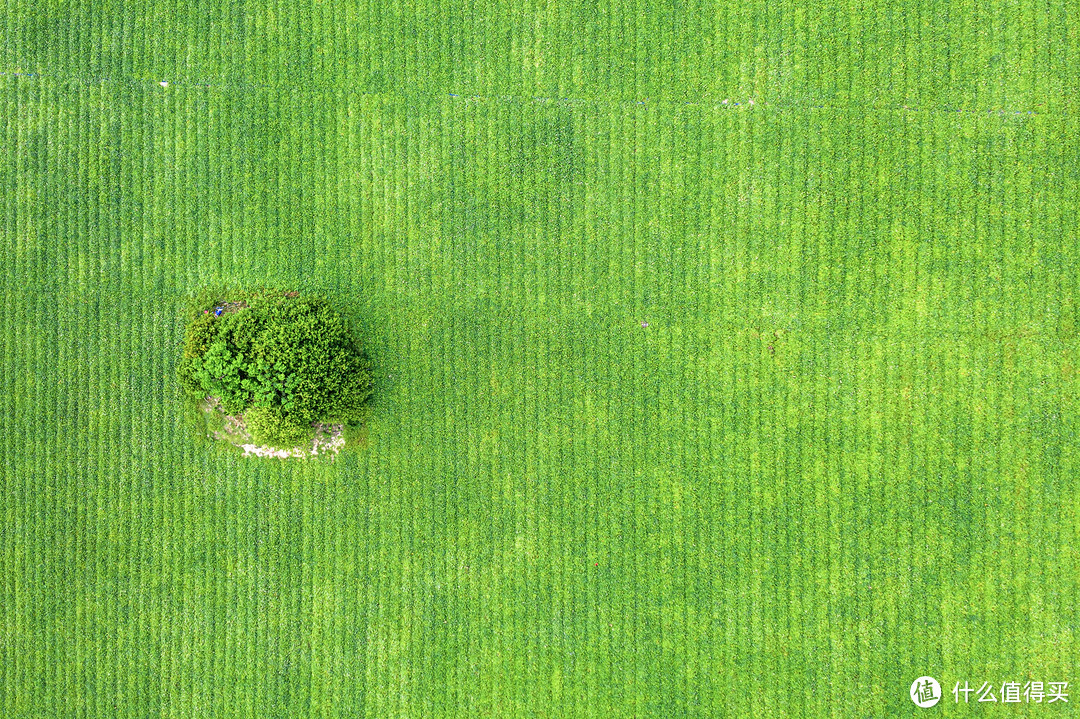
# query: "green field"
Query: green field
727,357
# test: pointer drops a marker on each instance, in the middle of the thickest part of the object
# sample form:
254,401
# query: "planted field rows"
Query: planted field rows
686,405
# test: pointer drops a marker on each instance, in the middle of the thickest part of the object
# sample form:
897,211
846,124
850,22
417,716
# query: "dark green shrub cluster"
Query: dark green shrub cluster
280,360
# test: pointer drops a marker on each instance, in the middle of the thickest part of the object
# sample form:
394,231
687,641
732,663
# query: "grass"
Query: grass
559,512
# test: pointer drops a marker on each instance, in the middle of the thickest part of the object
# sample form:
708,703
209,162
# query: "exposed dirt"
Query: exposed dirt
237,305
227,308
328,437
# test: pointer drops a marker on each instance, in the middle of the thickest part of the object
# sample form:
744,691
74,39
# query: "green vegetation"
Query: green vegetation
842,454
281,361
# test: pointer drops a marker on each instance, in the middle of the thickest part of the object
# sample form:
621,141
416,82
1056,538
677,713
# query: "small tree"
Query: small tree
280,360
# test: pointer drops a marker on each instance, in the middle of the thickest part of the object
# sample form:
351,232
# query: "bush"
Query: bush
273,426
189,383
281,360
199,335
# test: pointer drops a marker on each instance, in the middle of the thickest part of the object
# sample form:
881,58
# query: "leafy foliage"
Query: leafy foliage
199,335
280,360
274,426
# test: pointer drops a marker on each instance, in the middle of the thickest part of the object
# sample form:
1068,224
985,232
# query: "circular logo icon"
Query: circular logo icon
925,692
